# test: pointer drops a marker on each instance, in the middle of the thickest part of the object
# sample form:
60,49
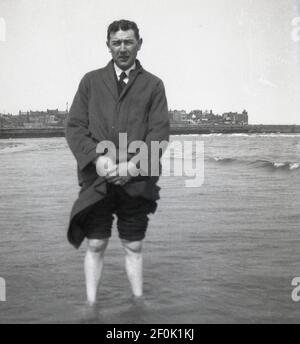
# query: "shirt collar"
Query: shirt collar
119,71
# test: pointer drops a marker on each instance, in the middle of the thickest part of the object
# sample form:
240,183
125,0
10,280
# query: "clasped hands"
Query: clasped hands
118,174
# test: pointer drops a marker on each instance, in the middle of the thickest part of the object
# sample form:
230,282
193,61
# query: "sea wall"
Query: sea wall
31,133
232,129
175,130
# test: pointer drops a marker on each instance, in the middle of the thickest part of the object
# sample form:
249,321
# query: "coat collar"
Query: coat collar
111,83
119,71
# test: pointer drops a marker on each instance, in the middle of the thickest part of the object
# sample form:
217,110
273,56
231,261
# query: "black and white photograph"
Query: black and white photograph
149,164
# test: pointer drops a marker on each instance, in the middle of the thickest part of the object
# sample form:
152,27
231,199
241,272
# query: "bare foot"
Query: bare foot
90,311
139,302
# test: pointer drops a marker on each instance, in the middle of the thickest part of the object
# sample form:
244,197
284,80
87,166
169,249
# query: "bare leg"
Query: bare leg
93,266
134,266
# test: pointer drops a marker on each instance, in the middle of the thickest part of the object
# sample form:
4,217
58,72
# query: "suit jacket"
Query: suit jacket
99,113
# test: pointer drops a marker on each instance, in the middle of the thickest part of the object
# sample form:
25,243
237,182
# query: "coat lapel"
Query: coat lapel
111,83
110,80
132,77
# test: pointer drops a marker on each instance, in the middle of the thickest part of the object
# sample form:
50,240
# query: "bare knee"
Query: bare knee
97,246
132,247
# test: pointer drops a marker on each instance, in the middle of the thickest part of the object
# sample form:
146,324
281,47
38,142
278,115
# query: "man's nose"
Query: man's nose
122,47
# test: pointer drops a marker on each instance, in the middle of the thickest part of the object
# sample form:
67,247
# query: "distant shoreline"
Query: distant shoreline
175,130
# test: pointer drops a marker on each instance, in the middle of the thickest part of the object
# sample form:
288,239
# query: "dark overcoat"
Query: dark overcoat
99,113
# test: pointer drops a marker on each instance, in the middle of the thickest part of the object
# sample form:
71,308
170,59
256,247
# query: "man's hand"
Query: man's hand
104,165
122,173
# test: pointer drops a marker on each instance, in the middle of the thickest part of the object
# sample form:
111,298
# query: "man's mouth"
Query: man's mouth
123,58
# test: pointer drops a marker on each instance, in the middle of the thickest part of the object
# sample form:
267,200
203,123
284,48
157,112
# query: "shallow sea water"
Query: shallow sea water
224,252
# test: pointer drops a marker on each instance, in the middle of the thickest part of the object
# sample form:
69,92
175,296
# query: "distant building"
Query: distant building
171,116
196,114
208,117
6,120
41,119
178,115
57,118
236,118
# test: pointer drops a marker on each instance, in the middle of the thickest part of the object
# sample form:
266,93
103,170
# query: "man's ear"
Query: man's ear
107,44
140,43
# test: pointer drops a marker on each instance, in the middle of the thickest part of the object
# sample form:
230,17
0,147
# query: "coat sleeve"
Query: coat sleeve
158,125
78,136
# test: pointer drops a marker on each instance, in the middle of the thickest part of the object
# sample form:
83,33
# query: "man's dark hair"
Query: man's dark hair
123,25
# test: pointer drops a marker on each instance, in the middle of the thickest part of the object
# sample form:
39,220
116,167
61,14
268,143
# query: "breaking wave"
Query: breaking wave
224,160
248,135
12,147
274,165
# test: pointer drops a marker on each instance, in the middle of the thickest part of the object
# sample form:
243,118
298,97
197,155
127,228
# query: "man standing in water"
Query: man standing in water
120,98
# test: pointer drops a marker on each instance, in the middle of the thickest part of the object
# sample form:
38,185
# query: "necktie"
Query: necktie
122,83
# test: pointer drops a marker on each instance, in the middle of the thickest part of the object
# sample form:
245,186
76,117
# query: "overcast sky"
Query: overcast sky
224,55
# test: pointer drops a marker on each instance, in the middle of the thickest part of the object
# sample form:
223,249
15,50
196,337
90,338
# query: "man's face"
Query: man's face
124,47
